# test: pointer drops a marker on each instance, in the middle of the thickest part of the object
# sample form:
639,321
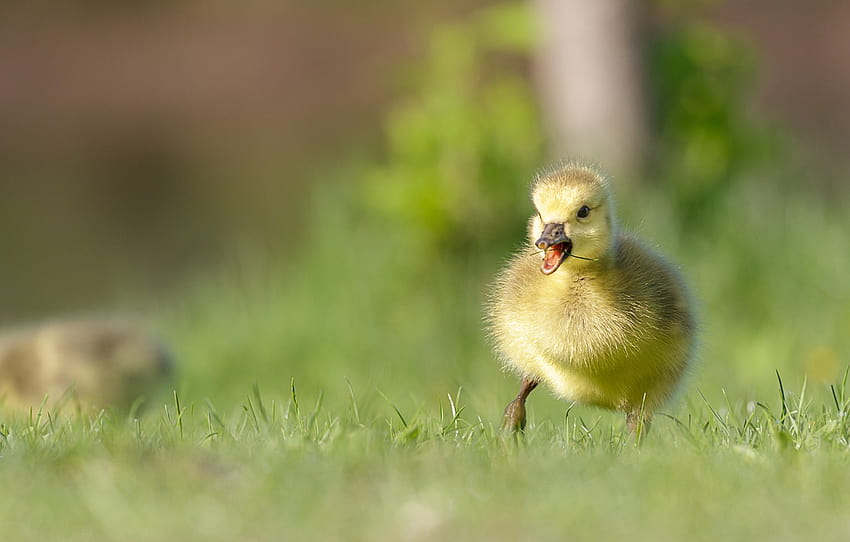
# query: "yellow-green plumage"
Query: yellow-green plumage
616,332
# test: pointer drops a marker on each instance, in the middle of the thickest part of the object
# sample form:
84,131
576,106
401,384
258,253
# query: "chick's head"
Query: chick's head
574,219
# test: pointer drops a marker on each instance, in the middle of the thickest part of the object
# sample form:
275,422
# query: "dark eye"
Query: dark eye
583,212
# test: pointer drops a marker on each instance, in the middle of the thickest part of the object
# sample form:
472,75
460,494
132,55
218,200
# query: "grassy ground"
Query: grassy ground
391,432
345,391
290,468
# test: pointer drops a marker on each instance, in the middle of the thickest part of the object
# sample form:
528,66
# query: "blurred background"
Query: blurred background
323,190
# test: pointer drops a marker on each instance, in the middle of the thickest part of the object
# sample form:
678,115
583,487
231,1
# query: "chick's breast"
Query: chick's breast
615,336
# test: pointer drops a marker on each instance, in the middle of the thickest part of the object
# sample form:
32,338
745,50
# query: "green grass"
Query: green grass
290,468
391,430
342,389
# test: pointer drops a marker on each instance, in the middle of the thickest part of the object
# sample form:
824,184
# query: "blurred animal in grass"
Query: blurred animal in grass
88,363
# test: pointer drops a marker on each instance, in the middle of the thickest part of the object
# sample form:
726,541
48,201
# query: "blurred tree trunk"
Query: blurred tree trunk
590,76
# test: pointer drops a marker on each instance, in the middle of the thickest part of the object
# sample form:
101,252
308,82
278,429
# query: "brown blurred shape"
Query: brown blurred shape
590,75
140,143
87,362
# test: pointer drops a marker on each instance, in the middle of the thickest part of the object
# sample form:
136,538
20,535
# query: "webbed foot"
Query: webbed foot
514,418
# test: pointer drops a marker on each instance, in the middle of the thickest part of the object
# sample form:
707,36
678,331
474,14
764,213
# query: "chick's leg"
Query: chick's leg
514,418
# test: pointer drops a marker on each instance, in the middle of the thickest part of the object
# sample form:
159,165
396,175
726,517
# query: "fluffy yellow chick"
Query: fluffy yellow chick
91,362
588,310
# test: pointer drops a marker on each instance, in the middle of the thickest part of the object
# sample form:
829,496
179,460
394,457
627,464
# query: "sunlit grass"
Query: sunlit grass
378,401
344,390
281,467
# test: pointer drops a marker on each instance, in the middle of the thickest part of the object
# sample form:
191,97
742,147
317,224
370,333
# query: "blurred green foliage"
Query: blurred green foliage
387,292
700,77
377,319
458,150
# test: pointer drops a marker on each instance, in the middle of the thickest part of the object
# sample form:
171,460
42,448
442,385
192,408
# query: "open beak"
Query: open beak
556,246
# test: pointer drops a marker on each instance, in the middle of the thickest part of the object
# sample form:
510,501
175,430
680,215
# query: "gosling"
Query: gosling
92,362
599,318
